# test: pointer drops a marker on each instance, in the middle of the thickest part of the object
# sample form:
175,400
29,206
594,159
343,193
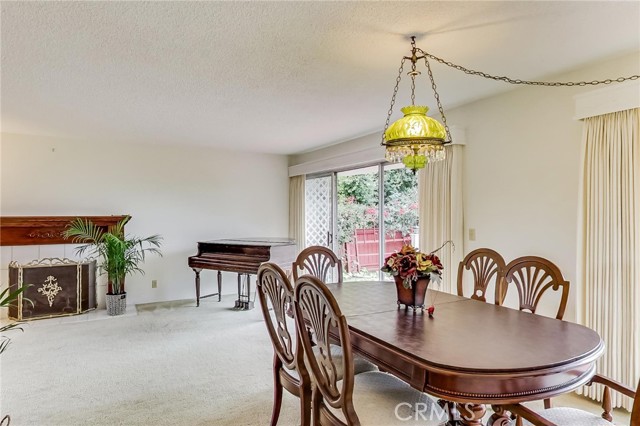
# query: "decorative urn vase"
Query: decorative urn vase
412,297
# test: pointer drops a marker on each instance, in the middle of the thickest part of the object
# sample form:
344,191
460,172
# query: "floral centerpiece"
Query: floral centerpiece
410,264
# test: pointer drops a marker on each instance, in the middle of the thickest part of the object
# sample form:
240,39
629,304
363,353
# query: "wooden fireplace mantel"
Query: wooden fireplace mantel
39,230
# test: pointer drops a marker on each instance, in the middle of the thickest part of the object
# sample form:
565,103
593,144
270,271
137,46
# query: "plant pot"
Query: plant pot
116,304
412,297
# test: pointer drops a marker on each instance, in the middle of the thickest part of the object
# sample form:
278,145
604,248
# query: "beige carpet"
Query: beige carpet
162,364
170,365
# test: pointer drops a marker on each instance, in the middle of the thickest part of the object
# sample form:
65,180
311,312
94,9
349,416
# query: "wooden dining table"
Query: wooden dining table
471,353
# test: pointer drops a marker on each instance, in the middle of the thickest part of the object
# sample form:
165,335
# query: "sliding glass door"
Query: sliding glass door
358,212
363,215
400,209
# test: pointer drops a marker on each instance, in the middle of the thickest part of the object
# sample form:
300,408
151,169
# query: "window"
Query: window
343,212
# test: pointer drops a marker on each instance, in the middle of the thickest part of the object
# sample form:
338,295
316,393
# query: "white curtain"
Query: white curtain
296,211
440,209
609,244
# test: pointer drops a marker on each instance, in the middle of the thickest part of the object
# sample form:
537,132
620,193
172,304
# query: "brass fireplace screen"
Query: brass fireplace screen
55,287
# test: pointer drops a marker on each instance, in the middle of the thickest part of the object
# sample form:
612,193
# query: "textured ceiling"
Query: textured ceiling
280,77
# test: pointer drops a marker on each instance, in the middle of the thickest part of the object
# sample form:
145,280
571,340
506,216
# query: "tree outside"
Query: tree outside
358,203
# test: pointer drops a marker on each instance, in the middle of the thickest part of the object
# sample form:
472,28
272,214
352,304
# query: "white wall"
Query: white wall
186,194
522,169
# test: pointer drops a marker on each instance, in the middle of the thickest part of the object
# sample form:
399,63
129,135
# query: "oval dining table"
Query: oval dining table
471,353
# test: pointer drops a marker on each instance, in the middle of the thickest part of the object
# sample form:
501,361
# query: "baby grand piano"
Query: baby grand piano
241,255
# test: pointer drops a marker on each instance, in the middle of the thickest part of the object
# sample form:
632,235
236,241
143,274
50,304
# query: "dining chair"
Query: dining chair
488,267
565,416
533,276
371,398
289,372
319,261
275,294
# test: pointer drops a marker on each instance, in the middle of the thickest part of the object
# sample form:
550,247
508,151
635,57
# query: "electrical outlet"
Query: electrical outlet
472,234
154,283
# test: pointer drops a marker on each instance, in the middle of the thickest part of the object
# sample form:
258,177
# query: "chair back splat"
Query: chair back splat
533,276
320,262
488,267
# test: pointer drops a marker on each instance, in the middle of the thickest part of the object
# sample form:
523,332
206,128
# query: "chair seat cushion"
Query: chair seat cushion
360,365
563,416
381,399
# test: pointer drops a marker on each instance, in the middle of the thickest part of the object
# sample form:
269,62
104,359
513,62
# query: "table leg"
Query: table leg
500,417
219,286
471,414
452,412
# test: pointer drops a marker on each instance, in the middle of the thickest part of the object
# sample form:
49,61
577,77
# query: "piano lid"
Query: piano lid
243,255
268,242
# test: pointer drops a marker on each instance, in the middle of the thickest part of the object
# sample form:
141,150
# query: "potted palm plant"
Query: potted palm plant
8,297
120,255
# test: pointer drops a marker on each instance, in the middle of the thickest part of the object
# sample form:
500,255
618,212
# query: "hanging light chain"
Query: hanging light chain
393,98
413,71
437,96
527,82
413,86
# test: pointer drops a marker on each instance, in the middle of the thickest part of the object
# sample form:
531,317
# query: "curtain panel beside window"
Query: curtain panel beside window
296,211
609,244
440,209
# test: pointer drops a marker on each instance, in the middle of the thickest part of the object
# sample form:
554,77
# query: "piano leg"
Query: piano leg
198,297
244,301
238,302
197,271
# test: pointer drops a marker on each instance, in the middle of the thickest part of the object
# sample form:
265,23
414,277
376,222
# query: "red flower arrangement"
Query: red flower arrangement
410,264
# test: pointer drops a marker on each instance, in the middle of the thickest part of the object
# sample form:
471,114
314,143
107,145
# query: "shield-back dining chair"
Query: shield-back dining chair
565,416
289,372
488,268
319,261
533,276
371,398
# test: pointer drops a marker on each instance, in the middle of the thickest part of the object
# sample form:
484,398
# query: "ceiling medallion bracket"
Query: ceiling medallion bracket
415,139
414,58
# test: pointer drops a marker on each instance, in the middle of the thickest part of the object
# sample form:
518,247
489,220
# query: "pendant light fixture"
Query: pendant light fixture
415,139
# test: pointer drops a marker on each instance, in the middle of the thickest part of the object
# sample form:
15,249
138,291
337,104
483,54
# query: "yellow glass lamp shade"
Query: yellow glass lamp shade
416,139
415,126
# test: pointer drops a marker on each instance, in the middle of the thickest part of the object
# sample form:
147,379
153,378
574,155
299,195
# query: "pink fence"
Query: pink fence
362,251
